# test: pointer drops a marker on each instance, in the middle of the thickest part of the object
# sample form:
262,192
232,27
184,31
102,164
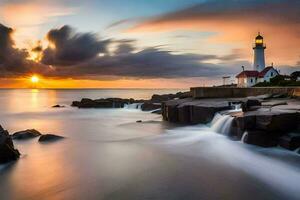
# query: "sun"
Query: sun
34,79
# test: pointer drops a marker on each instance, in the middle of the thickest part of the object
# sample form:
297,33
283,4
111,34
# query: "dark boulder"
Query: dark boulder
7,150
139,121
249,104
26,134
290,141
50,138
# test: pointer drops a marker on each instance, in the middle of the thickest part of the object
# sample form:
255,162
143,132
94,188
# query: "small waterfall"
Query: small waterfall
237,107
244,137
222,124
133,106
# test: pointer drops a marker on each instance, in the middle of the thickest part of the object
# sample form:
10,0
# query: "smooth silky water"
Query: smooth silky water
107,155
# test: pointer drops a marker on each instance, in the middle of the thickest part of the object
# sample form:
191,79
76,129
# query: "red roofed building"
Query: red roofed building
249,78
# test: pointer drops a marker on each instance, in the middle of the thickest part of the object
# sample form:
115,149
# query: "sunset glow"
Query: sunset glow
172,41
34,79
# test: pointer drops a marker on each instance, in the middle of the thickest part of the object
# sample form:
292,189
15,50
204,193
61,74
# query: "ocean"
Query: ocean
107,155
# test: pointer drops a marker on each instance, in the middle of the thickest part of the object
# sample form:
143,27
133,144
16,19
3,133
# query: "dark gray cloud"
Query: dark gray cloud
147,63
72,48
12,60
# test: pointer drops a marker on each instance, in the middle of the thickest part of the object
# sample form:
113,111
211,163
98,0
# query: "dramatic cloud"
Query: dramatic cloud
147,63
70,48
12,60
238,22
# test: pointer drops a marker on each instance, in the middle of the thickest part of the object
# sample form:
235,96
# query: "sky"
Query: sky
142,43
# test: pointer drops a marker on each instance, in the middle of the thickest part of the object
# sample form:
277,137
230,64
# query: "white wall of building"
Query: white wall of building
270,74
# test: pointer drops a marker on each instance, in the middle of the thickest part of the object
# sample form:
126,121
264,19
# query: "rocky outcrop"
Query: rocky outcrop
191,111
102,103
26,134
147,105
50,138
264,127
7,150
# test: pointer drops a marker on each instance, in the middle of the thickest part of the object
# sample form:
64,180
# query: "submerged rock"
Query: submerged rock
58,106
50,138
7,150
26,134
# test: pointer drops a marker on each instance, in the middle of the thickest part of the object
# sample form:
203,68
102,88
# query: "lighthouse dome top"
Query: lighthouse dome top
259,37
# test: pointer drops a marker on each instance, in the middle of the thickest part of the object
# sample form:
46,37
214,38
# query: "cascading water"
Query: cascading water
133,106
244,137
221,123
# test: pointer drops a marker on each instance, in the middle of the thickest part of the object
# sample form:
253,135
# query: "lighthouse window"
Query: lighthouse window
251,80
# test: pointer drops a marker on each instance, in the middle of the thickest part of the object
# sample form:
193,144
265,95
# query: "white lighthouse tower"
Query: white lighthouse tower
259,54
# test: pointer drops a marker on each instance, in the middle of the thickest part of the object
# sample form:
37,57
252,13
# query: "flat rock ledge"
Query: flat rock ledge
7,150
265,123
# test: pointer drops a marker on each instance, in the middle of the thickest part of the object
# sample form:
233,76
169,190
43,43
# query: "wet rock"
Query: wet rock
149,106
204,112
170,109
290,141
240,124
50,138
26,134
7,150
102,103
260,138
276,121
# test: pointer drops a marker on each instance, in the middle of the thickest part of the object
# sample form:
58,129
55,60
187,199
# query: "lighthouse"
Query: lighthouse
259,54
260,73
